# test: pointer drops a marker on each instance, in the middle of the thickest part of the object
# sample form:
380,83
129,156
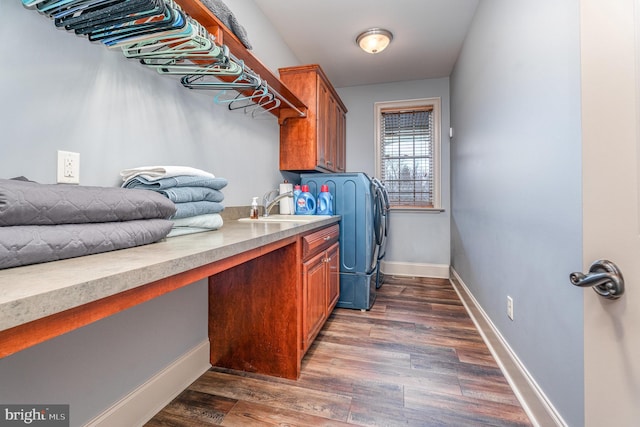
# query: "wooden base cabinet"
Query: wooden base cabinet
318,141
265,312
320,281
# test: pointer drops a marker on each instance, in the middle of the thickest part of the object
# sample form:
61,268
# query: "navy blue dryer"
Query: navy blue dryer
355,199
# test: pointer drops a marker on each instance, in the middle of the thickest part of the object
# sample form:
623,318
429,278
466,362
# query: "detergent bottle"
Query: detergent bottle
325,201
296,194
305,203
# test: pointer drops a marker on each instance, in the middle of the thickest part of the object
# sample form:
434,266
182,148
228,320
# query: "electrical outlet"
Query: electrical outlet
510,307
68,167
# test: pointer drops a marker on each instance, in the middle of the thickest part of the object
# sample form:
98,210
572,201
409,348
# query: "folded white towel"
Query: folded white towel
210,221
195,224
159,172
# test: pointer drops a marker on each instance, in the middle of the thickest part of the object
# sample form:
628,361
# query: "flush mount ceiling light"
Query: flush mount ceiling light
374,40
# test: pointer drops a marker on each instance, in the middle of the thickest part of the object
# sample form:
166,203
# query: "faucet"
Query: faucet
268,200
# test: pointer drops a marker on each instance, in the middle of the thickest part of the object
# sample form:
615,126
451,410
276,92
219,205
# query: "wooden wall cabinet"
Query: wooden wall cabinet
320,281
318,141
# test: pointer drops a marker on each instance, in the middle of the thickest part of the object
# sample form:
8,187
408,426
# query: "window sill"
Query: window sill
425,210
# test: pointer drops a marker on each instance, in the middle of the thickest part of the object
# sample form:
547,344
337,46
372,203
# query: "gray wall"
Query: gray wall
60,91
63,92
516,184
415,237
95,366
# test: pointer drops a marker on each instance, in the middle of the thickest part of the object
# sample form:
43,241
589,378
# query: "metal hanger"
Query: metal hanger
161,18
240,100
191,38
262,109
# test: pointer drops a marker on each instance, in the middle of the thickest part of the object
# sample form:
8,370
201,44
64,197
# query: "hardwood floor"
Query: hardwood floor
414,359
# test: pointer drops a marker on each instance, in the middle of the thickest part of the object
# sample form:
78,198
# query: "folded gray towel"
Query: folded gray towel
192,194
228,18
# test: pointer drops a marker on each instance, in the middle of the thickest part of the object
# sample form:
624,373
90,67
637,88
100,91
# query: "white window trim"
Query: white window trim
435,103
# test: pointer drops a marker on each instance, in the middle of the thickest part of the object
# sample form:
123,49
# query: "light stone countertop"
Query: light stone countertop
35,291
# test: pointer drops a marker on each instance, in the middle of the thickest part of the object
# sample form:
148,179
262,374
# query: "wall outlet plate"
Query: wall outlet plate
510,307
68,167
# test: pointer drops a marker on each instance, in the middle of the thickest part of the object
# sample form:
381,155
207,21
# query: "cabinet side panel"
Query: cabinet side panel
298,136
253,317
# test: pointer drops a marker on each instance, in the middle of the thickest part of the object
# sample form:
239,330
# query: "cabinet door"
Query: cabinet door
341,139
333,277
332,133
314,295
322,119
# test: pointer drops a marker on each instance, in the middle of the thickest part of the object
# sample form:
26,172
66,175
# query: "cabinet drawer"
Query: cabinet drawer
318,240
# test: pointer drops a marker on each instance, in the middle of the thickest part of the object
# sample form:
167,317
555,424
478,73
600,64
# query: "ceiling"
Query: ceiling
427,36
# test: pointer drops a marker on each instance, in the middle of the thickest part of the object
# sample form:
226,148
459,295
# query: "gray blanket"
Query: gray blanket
32,244
227,17
30,203
49,222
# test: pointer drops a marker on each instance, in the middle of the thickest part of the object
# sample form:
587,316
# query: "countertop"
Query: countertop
35,291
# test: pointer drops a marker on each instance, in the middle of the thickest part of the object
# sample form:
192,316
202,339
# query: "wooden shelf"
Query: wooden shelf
223,35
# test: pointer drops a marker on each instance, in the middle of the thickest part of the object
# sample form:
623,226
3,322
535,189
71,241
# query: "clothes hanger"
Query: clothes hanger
86,14
154,29
138,45
169,19
117,18
68,8
50,7
171,48
240,100
31,3
245,80
229,68
191,38
204,64
263,110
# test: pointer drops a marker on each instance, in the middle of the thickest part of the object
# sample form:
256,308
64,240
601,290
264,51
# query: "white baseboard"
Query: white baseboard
440,271
533,400
144,402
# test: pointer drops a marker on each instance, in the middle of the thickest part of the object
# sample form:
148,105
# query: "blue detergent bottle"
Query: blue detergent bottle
325,201
305,203
296,194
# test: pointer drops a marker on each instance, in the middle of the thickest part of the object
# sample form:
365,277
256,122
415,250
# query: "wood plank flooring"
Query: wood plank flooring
414,359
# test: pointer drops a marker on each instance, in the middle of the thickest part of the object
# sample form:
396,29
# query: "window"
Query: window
408,152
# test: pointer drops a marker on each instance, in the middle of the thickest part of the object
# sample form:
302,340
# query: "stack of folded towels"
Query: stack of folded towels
196,194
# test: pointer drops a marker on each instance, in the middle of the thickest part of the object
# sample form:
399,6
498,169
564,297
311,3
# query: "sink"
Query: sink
302,219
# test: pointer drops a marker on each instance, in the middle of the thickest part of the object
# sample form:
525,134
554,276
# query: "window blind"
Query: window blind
407,156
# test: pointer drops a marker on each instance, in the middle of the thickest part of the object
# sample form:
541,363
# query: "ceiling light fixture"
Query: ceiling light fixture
374,40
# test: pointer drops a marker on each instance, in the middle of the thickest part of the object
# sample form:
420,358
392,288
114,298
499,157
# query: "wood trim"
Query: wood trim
139,406
35,332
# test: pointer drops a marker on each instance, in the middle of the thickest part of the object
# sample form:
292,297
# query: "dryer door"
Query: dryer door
383,199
